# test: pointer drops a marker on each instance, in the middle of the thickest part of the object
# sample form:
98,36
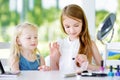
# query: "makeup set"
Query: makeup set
102,72
111,73
117,73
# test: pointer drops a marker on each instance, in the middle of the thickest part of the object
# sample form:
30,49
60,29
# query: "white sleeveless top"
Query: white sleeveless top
68,50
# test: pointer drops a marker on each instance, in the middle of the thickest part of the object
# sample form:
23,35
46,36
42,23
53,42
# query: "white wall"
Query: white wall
89,9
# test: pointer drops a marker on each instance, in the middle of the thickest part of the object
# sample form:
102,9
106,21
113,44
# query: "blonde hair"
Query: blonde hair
15,47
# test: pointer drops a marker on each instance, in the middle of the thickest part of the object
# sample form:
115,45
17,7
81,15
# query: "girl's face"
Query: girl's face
28,39
72,27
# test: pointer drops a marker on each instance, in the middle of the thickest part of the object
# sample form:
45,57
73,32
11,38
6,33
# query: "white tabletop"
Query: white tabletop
51,75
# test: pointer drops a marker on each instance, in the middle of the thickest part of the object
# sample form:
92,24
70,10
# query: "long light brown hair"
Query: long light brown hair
75,12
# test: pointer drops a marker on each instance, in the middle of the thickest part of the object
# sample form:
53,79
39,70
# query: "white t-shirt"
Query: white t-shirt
68,50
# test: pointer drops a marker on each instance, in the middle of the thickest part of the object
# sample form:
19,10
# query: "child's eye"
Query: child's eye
28,38
76,26
67,26
35,37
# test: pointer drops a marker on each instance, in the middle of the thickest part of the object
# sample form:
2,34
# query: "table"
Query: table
51,75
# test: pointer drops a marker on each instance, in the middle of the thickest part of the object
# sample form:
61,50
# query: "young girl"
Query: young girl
77,51
24,53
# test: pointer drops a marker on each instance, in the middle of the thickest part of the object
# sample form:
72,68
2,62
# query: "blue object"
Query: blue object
117,73
24,64
112,53
111,72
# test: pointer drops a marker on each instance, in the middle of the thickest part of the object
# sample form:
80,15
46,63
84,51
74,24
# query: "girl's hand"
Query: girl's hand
54,56
54,50
81,58
44,68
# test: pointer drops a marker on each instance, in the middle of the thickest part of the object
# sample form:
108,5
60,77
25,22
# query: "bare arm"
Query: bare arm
42,61
14,64
43,67
54,56
97,57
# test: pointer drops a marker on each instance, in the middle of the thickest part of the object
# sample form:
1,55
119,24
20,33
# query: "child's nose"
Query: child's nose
34,39
71,30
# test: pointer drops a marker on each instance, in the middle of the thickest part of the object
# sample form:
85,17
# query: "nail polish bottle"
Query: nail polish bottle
102,66
111,72
118,72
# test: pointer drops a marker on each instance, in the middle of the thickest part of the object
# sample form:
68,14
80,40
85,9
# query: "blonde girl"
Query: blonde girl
24,54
